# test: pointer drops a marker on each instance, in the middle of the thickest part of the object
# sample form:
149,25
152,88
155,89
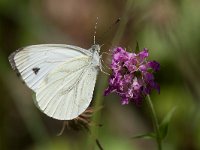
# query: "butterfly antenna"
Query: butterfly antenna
95,30
110,27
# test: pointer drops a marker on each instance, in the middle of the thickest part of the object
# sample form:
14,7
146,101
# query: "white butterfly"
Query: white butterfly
62,76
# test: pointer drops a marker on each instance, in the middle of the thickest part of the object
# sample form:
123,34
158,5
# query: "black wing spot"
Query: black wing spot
36,70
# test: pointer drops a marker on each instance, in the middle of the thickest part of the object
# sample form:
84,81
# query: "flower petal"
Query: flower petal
154,65
124,101
143,54
132,78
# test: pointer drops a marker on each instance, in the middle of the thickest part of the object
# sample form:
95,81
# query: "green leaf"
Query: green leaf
137,49
150,135
165,123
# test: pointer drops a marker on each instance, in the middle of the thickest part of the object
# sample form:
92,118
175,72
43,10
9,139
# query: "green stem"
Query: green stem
98,102
155,122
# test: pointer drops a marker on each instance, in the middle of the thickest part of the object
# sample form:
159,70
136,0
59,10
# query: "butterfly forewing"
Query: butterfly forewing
34,62
61,76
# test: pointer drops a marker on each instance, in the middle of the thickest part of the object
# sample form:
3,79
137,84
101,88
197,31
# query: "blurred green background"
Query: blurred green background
169,29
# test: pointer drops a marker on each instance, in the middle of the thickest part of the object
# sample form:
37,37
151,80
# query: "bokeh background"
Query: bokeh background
169,29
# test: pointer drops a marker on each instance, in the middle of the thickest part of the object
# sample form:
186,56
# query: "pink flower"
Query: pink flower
132,77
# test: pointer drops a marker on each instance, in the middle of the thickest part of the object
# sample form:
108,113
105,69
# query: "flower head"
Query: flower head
132,77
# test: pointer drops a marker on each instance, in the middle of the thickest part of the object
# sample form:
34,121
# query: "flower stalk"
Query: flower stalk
155,122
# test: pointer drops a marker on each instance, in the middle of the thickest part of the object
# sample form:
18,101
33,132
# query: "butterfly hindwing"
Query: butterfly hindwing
67,91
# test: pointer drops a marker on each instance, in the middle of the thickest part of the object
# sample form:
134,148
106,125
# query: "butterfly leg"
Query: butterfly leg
101,67
103,63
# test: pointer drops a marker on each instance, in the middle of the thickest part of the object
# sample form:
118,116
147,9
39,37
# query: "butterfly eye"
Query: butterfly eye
95,48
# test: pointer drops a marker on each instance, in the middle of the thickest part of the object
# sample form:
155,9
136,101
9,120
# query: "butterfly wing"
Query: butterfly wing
67,91
61,76
34,62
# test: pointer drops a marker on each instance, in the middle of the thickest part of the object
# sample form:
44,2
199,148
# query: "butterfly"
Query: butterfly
62,76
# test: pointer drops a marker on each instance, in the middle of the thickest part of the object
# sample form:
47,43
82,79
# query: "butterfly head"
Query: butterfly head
96,48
